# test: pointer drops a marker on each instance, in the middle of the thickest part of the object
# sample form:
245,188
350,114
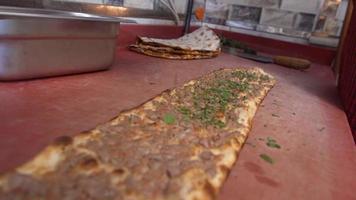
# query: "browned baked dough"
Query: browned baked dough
178,145
164,49
151,51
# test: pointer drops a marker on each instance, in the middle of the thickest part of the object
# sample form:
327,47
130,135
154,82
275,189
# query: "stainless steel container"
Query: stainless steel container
41,43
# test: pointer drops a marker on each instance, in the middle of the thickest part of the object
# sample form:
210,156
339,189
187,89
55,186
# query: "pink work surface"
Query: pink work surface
317,159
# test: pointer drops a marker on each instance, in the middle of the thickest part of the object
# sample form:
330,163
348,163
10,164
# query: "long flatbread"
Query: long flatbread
178,145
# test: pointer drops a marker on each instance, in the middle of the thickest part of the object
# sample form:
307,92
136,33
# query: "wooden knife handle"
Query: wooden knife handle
295,63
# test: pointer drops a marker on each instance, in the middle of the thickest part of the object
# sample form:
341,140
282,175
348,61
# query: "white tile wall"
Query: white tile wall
143,4
181,5
255,3
303,6
341,11
333,26
278,18
86,1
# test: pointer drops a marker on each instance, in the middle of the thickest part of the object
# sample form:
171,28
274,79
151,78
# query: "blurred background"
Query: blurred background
304,21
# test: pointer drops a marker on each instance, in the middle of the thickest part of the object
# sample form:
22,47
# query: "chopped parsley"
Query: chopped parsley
272,143
249,76
169,119
211,100
266,158
184,110
264,78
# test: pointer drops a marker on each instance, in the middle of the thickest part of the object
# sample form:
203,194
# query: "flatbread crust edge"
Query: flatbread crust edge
195,188
173,56
173,50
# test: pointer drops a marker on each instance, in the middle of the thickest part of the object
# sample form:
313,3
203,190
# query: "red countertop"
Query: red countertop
302,112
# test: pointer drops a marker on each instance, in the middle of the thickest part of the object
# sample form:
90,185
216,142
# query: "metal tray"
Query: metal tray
38,43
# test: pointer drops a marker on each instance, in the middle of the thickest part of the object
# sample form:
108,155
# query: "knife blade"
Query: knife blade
290,62
258,58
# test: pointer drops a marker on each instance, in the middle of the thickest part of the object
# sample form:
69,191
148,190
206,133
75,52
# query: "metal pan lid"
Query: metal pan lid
57,14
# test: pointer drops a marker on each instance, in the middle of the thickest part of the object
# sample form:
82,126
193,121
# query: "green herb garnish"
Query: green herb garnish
264,78
184,110
169,119
272,143
244,75
271,139
266,158
211,100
